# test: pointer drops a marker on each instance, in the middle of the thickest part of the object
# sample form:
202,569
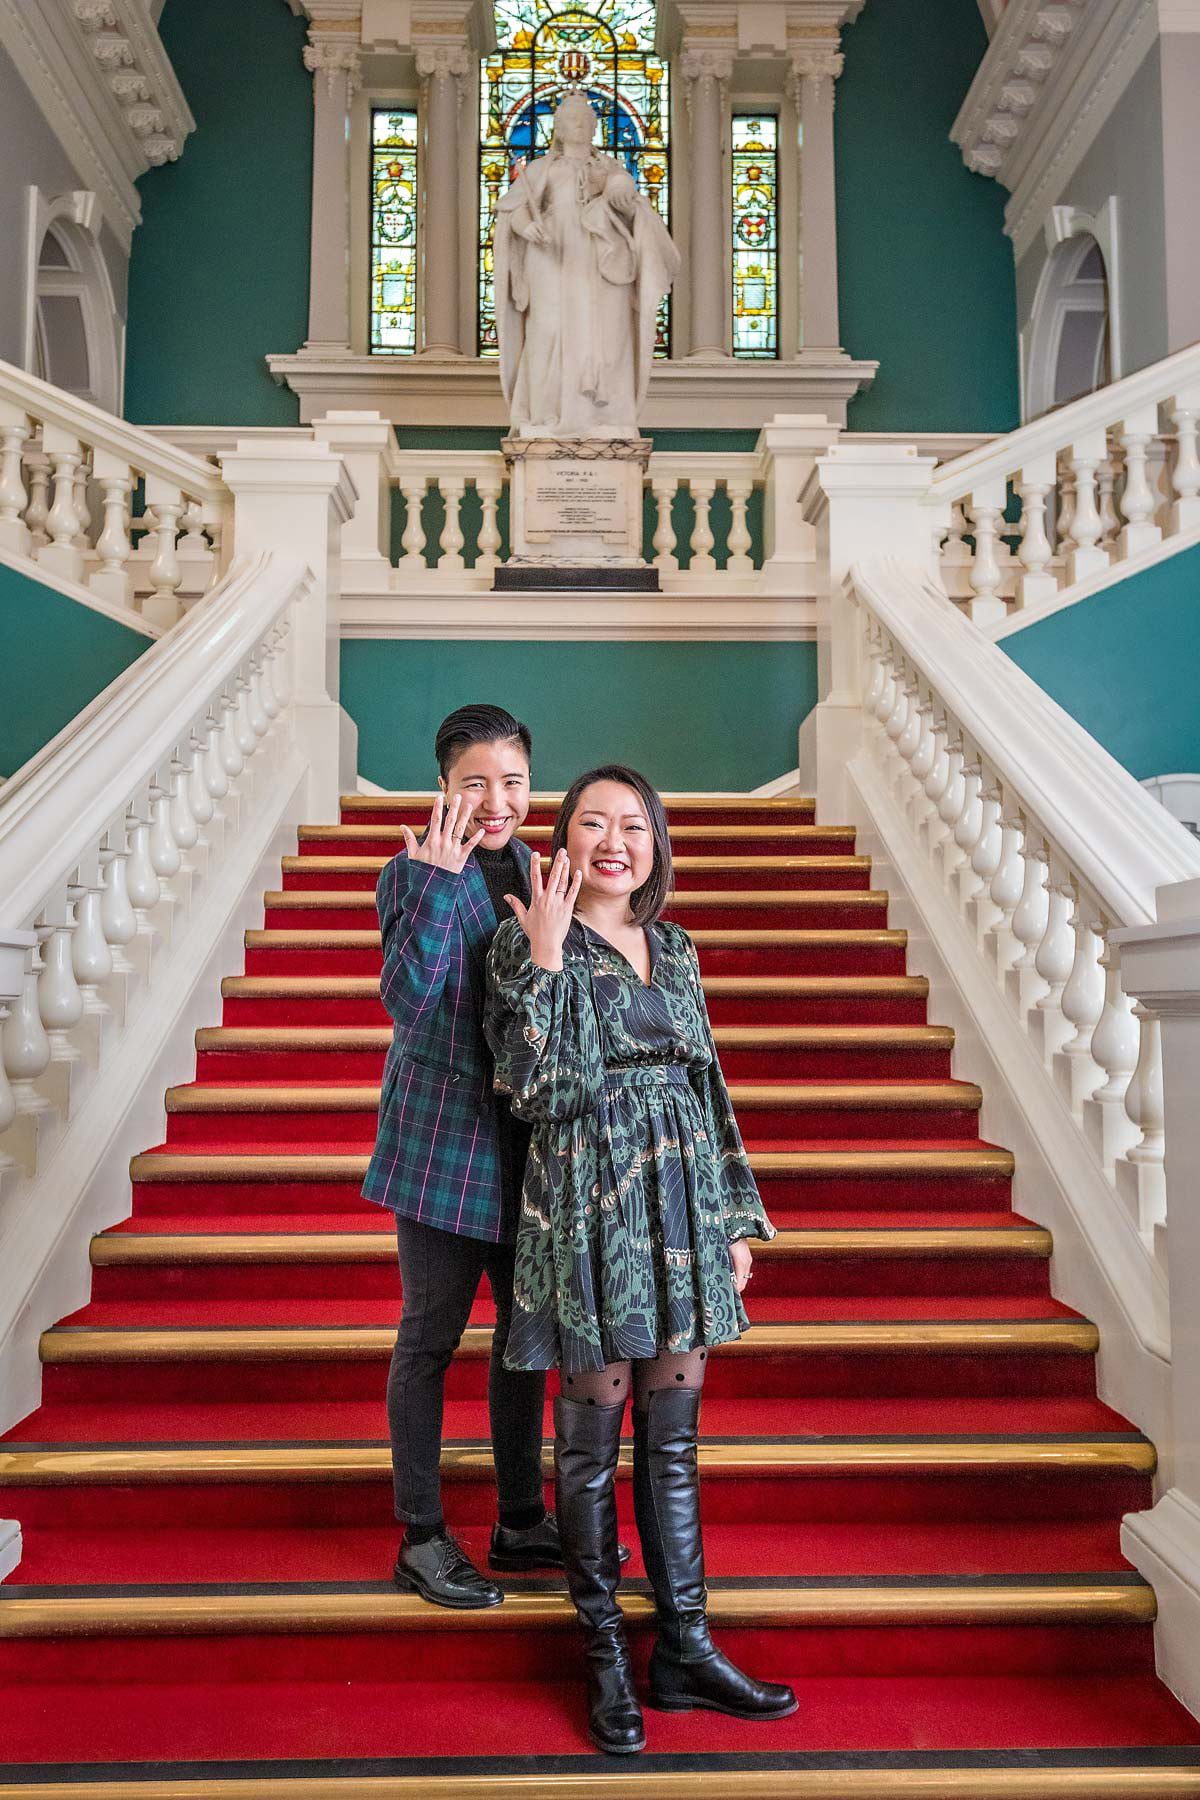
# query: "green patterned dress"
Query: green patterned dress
637,1181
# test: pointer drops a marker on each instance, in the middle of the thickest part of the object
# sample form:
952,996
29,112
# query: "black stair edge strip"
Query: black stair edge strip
790,1584
71,1448
1069,1318
602,1769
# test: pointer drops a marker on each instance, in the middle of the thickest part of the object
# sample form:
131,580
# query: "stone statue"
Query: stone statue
582,261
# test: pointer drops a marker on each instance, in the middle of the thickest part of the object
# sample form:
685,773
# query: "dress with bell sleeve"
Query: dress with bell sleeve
542,1030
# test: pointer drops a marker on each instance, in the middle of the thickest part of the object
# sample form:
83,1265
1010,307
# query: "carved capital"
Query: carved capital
112,51
96,15
706,65
331,57
442,62
818,63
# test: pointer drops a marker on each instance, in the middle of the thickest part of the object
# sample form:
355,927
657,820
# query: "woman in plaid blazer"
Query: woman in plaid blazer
449,1158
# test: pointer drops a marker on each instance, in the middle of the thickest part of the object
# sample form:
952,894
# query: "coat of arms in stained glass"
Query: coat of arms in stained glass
755,235
605,50
394,230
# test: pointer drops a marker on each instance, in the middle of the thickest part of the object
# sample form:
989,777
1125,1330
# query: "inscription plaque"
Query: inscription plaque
568,497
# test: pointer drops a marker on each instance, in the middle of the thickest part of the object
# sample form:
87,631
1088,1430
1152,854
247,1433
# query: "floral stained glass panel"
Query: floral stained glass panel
755,165
605,49
394,231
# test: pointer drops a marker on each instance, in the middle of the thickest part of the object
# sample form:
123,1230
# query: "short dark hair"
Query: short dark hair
647,902
469,725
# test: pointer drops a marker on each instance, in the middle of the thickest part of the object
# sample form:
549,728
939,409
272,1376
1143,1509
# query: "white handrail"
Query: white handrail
1100,818
65,796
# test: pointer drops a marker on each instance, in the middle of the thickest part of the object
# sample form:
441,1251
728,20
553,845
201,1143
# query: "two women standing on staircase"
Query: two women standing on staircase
449,1159
632,1250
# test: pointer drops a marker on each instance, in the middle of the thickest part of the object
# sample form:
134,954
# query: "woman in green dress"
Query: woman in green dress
632,1249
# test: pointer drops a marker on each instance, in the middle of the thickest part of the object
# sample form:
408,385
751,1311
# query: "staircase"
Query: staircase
912,1493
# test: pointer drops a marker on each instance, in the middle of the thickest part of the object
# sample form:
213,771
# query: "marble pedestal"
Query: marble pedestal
575,515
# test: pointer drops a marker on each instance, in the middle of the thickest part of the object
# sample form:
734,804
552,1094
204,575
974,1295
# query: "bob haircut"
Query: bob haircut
647,902
478,725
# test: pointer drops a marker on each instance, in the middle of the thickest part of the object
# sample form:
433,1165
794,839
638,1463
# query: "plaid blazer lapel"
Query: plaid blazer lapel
476,911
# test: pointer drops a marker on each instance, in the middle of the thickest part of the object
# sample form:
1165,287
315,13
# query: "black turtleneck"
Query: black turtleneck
504,874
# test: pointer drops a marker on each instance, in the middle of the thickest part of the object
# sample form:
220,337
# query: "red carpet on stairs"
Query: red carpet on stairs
912,1492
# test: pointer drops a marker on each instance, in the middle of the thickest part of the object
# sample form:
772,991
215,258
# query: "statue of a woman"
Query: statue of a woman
582,261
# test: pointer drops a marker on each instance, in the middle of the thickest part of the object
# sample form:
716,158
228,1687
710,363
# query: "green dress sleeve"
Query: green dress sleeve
542,1031
741,1204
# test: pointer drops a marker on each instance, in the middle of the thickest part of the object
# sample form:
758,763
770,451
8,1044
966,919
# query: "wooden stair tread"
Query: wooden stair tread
250,1097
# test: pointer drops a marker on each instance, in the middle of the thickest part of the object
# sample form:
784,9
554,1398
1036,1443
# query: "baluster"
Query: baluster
906,745
489,487
961,878
185,827
1007,885
26,1047
247,737
942,845
664,487
1035,582
91,954
8,1100
1085,556
14,428
1115,1042
412,539
956,556
1184,514
113,547
922,762
1106,486
160,607
873,677
1065,509
986,509
201,798
141,877
195,556
1141,1177
451,541
1024,985
266,689
886,699
1075,1070
60,1001
280,663
38,509
164,851
1139,531
702,560
930,829
83,505
982,911
230,751
62,555
256,712
116,911
739,489
893,729
1054,961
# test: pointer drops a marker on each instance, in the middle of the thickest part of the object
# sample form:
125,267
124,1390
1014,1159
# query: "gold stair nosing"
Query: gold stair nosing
850,938
70,1465
972,1161
127,1249
727,1037
364,865
354,899
1094,1603
357,834
1076,1782
687,801
798,1096
772,987
364,1343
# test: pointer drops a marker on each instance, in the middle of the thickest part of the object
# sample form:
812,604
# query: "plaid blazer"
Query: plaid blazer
436,1156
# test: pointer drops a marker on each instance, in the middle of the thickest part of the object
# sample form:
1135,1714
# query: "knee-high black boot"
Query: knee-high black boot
686,1668
586,1444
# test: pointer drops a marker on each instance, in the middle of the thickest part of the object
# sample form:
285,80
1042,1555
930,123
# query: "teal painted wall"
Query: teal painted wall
1125,665
690,715
926,281
49,674
219,270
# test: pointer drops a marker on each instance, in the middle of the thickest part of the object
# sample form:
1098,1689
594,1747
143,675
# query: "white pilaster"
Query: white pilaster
334,60
443,69
706,74
291,499
815,70
1160,965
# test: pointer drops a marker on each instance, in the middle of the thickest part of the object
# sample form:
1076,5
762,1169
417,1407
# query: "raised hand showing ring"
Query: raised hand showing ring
547,918
445,845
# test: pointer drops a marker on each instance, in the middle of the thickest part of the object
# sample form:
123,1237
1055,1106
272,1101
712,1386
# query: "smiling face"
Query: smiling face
609,839
493,780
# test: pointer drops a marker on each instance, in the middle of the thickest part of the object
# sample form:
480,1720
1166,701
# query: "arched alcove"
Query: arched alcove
73,337
1072,338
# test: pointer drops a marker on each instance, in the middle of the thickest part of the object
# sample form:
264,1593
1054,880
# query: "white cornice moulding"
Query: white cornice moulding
739,617
98,72
413,390
1051,78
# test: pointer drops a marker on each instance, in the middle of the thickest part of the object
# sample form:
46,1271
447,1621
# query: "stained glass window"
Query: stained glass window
394,230
755,166
605,49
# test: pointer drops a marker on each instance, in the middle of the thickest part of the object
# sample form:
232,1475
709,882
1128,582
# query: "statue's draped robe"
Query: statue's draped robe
576,316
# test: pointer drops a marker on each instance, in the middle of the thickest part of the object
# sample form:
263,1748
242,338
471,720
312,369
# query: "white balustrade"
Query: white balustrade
105,831
1096,483
1041,845
67,473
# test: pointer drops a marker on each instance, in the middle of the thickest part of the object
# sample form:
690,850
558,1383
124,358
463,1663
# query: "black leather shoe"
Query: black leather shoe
537,1547
686,1668
440,1571
587,1441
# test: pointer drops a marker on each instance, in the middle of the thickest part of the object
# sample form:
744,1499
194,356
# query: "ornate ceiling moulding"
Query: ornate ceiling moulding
125,44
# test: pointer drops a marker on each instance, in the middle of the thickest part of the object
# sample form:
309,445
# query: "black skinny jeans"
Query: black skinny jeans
440,1273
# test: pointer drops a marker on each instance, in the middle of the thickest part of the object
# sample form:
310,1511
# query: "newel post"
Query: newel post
291,500
787,448
1160,966
865,501
366,442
